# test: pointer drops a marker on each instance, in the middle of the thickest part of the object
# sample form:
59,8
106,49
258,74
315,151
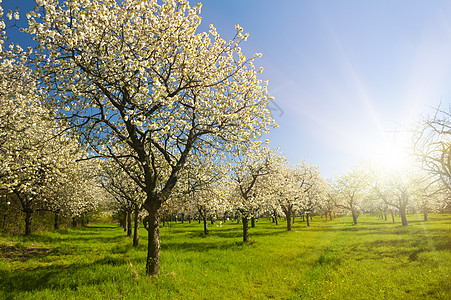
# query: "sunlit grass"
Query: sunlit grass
375,259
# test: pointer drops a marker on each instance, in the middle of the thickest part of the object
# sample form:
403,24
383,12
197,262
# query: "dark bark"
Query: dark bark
385,216
308,220
124,224
245,229
129,223
154,244
253,222
205,226
425,214
28,217
392,217
136,228
330,216
56,224
288,218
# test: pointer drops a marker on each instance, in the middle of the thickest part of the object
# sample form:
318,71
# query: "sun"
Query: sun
392,155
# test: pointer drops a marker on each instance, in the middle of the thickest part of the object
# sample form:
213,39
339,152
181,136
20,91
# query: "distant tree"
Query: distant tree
349,190
247,173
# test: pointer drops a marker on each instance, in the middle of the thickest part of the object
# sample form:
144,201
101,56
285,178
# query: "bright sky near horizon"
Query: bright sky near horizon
345,74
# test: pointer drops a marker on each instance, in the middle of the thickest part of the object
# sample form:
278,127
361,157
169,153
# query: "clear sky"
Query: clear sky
345,74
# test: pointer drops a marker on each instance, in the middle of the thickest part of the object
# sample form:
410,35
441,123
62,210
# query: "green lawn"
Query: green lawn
373,260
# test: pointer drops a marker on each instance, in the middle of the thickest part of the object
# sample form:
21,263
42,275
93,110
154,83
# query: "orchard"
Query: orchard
127,112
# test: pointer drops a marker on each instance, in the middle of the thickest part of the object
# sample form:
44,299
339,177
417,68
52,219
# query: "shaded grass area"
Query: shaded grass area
375,259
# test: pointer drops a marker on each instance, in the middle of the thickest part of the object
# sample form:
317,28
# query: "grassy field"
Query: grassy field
373,260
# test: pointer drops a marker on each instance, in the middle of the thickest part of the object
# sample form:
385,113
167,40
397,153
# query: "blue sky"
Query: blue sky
345,74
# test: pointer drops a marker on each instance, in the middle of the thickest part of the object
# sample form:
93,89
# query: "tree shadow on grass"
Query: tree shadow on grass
69,276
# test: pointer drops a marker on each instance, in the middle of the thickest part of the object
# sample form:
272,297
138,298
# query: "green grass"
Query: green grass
373,260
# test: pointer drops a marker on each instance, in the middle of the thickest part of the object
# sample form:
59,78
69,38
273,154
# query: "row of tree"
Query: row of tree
128,97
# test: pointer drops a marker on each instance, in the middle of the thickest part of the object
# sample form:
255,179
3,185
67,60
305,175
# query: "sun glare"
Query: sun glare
391,155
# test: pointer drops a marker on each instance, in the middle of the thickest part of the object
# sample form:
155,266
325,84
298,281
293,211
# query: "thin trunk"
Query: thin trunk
308,219
56,224
124,224
245,229
402,213
293,217
277,220
129,223
385,216
330,215
288,217
253,222
83,220
136,228
425,214
205,226
28,217
392,217
354,217
154,244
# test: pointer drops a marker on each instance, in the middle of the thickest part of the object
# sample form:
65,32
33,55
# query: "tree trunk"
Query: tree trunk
136,228
154,244
293,217
402,213
425,214
245,229
56,224
392,217
354,217
253,222
129,223
28,217
288,217
330,215
205,226
308,219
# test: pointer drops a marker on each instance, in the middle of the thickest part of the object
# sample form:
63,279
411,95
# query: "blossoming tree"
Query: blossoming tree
138,73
